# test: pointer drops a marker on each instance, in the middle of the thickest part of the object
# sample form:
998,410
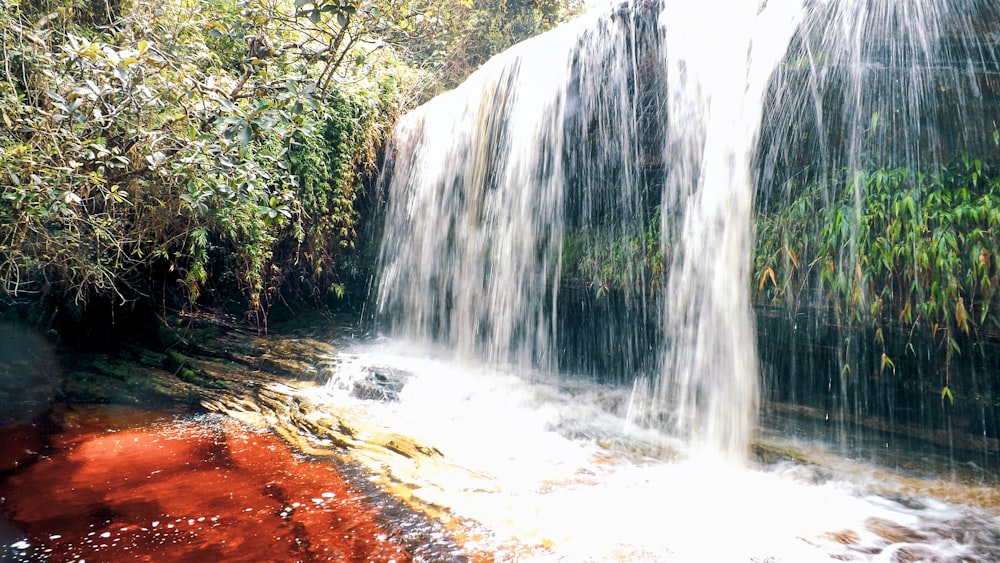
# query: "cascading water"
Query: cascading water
709,383
474,224
575,225
490,182
483,188
883,83
520,205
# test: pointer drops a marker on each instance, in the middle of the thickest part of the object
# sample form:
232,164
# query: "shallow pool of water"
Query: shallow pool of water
116,484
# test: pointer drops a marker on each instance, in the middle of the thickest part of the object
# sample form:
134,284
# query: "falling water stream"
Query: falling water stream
709,380
622,429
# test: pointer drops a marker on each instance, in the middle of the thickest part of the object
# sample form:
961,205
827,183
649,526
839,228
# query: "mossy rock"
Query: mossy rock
115,368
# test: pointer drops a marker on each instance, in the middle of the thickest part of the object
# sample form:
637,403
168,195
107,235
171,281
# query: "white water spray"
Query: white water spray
719,58
493,189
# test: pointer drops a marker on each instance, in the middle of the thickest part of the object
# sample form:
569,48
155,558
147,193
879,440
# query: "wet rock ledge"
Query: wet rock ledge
204,443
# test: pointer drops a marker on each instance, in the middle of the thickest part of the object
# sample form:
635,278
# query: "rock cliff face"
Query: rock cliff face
885,83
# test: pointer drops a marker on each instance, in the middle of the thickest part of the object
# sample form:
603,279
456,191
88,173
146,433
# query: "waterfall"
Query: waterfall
719,57
552,141
519,205
485,180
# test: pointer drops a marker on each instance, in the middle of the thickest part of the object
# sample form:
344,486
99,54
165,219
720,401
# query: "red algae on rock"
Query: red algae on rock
118,487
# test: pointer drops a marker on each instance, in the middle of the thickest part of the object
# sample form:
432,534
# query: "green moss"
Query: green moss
115,368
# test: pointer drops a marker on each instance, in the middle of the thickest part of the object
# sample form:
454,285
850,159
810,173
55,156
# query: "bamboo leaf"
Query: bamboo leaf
887,361
961,315
768,273
792,256
946,393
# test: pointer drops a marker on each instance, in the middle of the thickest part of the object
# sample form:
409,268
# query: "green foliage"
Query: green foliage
209,152
449,39
631,265
913,251
170,150
331,168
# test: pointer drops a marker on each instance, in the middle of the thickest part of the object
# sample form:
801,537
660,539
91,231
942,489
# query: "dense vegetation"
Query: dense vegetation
211,154
909,255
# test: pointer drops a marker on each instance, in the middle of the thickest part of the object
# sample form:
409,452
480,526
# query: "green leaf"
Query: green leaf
946,393
887,362
338,290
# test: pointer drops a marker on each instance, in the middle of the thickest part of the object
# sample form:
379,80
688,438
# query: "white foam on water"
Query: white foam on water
547,471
